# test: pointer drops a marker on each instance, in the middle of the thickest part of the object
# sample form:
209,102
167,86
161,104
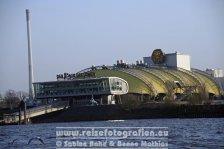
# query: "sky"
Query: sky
71,35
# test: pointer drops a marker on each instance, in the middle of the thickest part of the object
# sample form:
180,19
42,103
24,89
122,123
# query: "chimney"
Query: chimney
30,61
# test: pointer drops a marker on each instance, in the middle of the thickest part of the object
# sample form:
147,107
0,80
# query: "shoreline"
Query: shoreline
118,112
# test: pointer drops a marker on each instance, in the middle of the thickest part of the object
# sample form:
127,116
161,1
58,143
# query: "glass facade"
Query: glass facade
96,86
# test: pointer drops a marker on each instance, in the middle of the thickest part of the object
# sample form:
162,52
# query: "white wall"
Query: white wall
184,61
217,73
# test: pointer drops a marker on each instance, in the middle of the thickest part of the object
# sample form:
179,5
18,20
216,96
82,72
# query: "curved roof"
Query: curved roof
153,81
136,85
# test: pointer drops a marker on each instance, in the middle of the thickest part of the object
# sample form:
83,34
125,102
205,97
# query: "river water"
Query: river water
201,133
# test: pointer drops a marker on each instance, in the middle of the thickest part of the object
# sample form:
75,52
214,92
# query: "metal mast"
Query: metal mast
30,61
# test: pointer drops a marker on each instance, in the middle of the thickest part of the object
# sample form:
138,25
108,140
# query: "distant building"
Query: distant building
218,76
217,73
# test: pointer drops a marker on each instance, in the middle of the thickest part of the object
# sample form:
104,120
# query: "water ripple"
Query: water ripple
183,133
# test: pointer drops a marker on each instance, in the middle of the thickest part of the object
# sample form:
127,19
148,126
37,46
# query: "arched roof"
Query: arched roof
153,80
136,85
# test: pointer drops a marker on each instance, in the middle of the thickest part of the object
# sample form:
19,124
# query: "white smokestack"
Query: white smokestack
30,61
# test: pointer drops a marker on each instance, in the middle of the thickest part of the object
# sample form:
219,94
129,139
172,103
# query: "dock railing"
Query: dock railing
32,112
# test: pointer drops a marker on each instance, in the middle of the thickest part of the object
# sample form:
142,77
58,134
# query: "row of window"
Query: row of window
77,87
78,91
73,84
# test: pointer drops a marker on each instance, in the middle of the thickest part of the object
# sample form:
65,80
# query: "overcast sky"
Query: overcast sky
71,35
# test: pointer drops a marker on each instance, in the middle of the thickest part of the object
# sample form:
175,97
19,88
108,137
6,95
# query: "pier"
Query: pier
13,118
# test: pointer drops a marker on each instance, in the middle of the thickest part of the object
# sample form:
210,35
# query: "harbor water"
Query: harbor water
200,133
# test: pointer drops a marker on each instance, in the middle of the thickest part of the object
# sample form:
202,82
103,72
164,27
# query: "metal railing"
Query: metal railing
36,111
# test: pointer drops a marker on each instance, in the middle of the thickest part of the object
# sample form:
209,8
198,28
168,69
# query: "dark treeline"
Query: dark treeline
12,98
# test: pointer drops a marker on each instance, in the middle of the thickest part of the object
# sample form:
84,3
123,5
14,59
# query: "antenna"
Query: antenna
30,61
